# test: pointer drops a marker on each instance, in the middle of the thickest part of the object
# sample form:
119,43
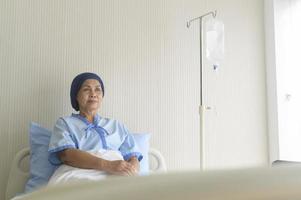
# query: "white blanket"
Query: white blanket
66,173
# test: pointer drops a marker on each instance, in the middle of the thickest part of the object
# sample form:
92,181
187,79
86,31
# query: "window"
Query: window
283,43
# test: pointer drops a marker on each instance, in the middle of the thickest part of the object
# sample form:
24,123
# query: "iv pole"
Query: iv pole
201,107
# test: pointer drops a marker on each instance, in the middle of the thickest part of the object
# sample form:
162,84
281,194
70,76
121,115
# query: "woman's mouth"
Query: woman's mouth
92,101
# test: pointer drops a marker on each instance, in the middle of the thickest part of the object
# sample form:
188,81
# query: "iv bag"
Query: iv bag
214,41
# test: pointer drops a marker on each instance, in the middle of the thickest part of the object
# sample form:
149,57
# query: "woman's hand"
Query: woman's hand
120,167
135,163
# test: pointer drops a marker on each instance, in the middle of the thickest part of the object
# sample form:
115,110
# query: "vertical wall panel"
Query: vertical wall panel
236,126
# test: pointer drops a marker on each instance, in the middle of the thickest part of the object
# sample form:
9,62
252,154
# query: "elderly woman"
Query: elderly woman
76,136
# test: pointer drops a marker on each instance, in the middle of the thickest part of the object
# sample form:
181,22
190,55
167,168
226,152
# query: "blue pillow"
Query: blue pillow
40,168
142,140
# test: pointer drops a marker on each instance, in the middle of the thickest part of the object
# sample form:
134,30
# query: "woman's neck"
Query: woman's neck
88,115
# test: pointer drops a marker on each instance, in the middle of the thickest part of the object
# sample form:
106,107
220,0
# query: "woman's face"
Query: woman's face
89,96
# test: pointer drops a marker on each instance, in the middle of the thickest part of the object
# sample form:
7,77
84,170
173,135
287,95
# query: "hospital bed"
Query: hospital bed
276,183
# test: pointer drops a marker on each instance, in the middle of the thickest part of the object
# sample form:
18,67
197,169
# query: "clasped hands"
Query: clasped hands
122,167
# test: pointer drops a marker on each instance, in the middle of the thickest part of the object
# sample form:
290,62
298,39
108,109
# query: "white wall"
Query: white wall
149,62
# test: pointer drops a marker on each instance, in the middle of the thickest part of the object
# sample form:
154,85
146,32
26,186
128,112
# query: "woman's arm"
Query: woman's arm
82,159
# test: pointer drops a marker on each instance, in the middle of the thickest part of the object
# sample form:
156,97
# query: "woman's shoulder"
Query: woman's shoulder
68,119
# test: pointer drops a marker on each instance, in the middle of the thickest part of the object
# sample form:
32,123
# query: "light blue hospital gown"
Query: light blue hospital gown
77,132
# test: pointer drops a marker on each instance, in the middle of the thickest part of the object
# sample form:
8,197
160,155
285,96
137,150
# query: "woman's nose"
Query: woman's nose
93,94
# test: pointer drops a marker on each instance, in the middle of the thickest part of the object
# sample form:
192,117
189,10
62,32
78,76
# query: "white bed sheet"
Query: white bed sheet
67,173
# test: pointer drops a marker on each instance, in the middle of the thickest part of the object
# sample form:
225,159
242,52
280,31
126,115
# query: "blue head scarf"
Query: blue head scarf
77,83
